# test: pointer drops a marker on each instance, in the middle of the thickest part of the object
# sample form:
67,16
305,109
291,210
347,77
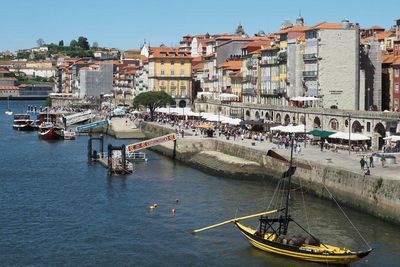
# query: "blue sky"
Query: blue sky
126,23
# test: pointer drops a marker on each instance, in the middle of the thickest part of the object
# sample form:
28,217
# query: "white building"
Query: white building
96,81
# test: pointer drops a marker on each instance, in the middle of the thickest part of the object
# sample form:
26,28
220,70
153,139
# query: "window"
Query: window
162,72
396,72
396,104
172,62
162,61
182,72
396,88
172,72
182,62
368,126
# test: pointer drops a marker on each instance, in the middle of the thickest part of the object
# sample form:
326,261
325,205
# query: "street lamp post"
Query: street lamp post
349,120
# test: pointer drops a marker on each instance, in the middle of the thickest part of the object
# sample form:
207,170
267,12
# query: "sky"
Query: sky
125,24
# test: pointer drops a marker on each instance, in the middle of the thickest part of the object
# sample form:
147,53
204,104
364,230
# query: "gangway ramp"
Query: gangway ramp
77,117
133,148
92,125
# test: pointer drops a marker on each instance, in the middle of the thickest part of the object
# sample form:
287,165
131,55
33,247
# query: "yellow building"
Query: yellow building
170,70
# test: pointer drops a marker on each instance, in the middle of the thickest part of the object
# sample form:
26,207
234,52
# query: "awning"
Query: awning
305,98
353,136
252,122
319,133
393,138
293,129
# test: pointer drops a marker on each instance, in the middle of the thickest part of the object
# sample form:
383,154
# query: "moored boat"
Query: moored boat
23,122
273,235
50,131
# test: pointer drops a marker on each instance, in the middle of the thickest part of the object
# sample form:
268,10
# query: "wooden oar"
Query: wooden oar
233,220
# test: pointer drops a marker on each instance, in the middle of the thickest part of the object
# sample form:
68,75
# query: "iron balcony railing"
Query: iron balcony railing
310,73
310,57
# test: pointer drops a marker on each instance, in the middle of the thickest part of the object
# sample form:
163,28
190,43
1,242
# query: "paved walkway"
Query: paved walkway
341,159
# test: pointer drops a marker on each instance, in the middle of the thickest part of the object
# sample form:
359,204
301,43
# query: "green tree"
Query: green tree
153,100
83,43
61,43
47,102
73,43
40,42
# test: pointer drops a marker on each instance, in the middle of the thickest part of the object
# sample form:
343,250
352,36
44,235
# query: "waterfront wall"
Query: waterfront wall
374,195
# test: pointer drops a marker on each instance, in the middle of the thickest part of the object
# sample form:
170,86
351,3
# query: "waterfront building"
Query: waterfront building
326,58
225,72
170,70
186,43
396,77
142,78
8,84
124,81
95,80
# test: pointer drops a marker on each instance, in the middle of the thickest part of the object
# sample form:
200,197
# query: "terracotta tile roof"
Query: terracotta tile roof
232,65
256,44
383,35
198,67
387,58
166,52
255,51
3,71
376,27
294,29
327,25
2,87
396,61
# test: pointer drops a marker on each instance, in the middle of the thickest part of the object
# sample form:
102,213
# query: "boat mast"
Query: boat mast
285,228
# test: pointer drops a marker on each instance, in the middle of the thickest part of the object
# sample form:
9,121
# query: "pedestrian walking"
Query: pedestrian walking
371,161
362,162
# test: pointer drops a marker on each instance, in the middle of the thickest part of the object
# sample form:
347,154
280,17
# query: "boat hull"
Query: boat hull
297,252
24,127
50,134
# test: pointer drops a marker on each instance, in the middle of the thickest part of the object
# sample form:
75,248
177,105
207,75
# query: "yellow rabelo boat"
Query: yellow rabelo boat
272,235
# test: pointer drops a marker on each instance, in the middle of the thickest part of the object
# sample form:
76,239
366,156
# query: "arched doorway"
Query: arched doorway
356,127
257,114
380,129
317,123
334,124
302,119
182,104
247,114
278,118
294,119
267,116
287,119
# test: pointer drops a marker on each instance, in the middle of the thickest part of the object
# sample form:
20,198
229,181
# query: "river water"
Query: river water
56,209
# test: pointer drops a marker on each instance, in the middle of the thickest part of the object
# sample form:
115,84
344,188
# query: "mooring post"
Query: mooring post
90,147
123,158
174,152
109,159
101,144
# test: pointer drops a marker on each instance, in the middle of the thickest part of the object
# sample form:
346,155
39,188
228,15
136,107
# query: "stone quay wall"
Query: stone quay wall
373,195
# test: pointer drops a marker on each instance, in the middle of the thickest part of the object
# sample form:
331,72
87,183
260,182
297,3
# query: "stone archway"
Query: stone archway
278,118
247,113
267,117
317,123
334,124
287,119
257,114
356,127
182,104
381,131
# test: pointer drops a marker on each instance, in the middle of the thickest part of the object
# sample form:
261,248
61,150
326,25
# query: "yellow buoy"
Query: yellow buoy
153,206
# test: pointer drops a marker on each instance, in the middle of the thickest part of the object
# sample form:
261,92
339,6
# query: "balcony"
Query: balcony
269,61
249,91
310,57
310,74
246,78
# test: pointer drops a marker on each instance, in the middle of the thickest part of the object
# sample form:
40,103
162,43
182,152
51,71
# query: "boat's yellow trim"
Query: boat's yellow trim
333,259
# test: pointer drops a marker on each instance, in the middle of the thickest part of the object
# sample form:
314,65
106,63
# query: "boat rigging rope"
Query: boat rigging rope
304,205
273,196
365,241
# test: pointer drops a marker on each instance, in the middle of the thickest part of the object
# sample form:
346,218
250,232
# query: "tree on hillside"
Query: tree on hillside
73,43
61,43
153,100
83,43
40,42
95,44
